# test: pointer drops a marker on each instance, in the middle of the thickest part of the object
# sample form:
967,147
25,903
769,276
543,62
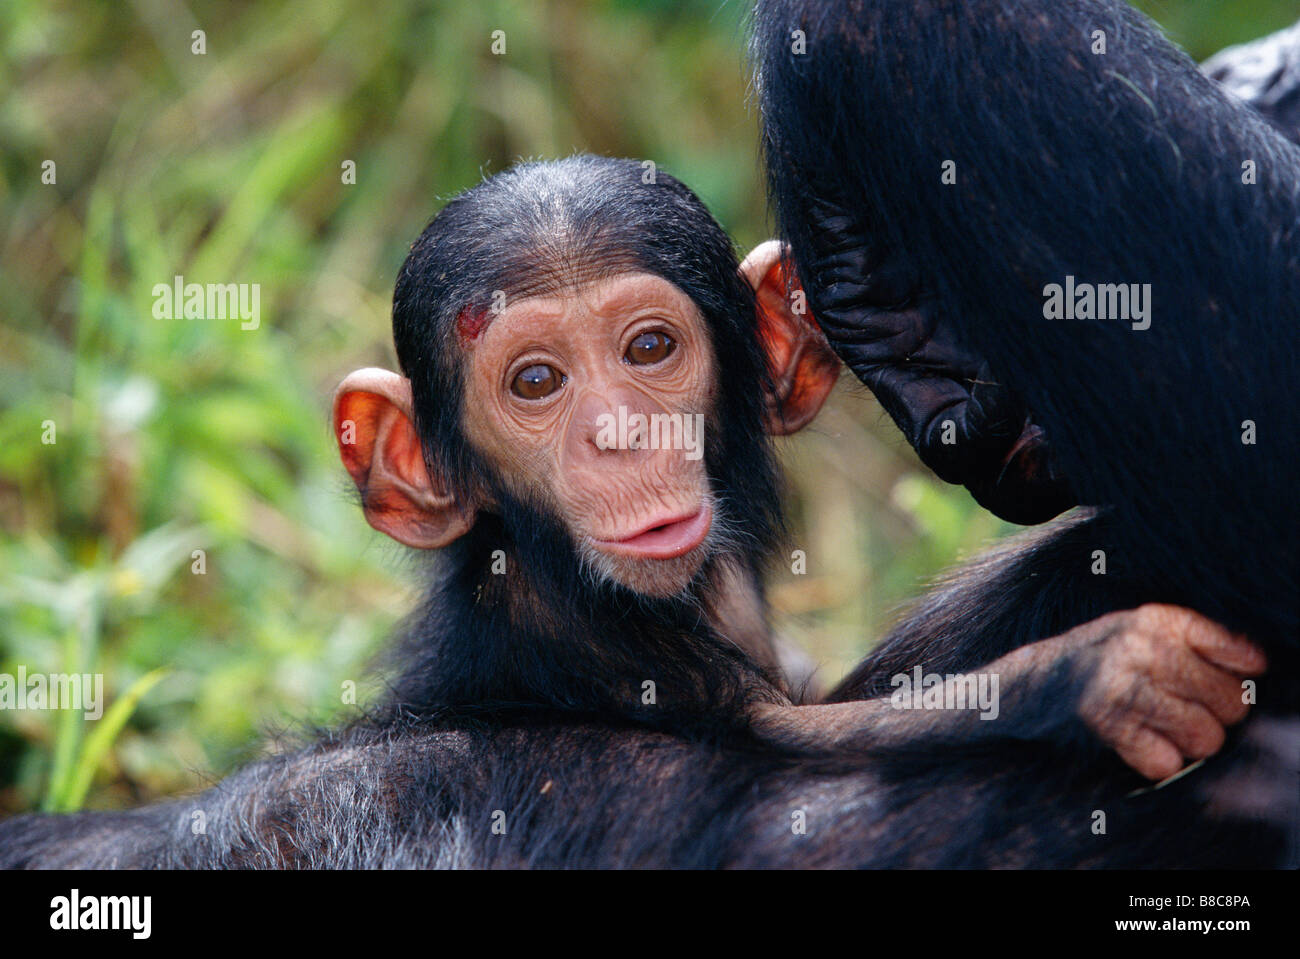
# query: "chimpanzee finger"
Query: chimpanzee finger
1181,672
1150,753
1188,725
1211,641
1231,651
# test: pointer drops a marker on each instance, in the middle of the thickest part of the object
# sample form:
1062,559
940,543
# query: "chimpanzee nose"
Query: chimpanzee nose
611,424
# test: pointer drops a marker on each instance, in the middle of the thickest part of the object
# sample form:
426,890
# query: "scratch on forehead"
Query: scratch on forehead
471,322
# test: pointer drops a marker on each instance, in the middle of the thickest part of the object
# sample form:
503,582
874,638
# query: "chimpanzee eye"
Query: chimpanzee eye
652,347
537,381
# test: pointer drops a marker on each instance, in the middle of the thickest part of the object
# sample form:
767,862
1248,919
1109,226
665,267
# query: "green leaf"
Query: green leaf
101,739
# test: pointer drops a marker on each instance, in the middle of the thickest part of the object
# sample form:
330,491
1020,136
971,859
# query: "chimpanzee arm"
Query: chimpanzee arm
1028,587
1156,684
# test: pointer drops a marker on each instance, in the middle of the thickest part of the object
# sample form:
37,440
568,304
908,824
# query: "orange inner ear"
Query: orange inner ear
802,366
356,419
403,453
381,450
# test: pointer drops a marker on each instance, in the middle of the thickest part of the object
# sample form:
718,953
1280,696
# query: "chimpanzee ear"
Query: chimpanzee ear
801,363
382,452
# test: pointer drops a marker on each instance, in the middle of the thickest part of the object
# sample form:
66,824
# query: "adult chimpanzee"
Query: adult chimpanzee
989,158
581,622
985,158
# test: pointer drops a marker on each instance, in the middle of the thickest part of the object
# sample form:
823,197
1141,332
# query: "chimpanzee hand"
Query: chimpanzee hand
1163,682
966,427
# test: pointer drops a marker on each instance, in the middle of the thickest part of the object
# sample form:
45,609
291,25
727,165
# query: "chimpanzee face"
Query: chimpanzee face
594,405
594,409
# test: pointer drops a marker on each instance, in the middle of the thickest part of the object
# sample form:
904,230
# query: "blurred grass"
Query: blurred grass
182,435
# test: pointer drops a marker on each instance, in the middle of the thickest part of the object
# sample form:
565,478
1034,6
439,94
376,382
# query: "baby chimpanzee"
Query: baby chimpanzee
590,384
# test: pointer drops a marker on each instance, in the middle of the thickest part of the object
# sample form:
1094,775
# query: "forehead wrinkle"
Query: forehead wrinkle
606,298
520,319
631,290
559,269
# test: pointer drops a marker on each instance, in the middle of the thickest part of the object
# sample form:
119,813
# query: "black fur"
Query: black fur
410,791
585,779
1116,168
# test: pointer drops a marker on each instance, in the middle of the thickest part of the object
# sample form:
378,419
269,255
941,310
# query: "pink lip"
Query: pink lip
666,539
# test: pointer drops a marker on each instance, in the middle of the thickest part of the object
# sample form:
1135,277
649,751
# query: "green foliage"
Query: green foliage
177,436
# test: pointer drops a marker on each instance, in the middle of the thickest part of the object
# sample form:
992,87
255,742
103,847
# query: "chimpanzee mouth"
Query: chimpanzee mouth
663,539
